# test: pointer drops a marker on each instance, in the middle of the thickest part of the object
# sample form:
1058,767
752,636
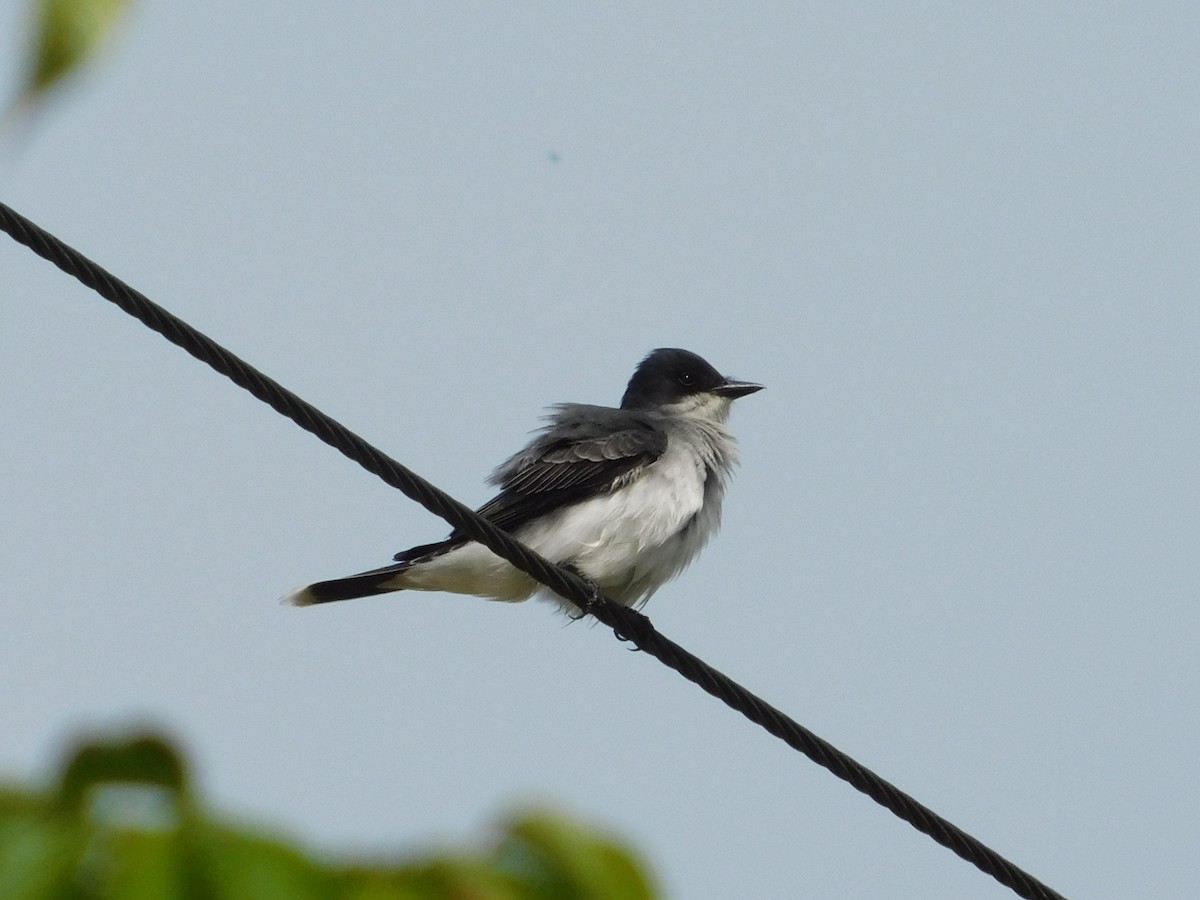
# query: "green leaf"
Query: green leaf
137,865
146,760
68,32
39,849
447,878
562,859
238,865
121,825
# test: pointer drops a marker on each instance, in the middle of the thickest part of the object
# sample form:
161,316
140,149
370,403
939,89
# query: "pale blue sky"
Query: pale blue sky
958,242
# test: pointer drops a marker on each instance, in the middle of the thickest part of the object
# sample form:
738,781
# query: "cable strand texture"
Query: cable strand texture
628,624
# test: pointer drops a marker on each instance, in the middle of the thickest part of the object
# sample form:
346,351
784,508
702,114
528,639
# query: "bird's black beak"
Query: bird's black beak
734,389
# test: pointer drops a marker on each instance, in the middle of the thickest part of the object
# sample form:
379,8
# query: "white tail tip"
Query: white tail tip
301,597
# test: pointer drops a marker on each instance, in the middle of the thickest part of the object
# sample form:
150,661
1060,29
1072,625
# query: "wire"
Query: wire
627,624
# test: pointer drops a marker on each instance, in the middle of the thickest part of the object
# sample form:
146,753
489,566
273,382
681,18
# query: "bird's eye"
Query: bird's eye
687,379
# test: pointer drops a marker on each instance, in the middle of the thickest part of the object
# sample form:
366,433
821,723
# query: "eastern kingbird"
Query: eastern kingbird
626,497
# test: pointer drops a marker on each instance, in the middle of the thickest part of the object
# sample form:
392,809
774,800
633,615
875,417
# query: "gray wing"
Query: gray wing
584,451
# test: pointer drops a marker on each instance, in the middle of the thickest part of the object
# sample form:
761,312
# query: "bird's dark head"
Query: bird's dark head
683,382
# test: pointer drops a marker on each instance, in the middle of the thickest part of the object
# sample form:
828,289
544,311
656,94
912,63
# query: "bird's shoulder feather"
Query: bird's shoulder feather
582,445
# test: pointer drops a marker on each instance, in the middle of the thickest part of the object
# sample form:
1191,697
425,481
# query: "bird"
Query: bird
625,497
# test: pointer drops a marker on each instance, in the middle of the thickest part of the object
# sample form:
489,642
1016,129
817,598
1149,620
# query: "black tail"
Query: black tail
368,584
364,584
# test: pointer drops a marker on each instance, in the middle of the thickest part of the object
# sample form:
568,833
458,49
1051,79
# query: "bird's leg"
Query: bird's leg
641,625
595,599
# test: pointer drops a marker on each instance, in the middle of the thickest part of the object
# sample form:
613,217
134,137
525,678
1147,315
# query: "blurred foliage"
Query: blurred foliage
67,33
122,824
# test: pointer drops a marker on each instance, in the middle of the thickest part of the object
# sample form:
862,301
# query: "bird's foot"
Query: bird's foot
595,600
636,630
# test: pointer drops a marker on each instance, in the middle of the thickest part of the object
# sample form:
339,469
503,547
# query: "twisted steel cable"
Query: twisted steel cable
627,624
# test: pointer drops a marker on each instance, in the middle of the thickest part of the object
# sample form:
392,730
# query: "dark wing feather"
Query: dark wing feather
585,451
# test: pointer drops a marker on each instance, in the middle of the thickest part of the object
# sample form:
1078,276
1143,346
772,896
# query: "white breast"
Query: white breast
632,540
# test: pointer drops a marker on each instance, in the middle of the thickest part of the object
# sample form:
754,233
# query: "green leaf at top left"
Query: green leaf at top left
68,33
